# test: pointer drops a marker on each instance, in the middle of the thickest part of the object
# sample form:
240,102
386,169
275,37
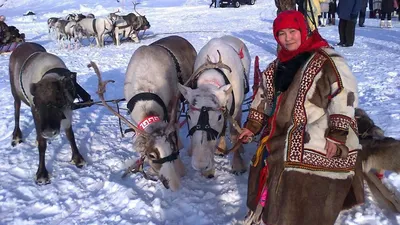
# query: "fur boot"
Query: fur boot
382,24
389,24
323,22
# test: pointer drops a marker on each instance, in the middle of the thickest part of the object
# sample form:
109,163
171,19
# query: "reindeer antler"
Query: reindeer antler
102,89
209,65
134,7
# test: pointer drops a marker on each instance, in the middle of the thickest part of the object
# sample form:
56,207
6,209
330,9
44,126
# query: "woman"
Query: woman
304,168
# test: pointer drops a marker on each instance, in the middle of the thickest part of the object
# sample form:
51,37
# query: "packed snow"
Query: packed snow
96,194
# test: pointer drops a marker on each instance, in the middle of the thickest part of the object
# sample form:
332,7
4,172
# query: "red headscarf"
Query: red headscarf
295,20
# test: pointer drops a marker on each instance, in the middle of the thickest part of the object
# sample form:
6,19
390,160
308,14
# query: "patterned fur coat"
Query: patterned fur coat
303,186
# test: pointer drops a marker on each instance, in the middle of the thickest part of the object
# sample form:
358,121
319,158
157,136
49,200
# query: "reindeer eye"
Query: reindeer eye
152,155
219,117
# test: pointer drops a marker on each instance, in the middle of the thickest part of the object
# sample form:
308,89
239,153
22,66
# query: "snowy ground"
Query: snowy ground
96,194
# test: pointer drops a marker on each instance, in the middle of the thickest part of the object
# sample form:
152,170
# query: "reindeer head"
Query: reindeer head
78,31
366,126
206,120
159,145
145,24
52,99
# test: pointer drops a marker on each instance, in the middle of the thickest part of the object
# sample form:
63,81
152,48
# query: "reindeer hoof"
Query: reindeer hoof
78,161
15,142
42,179
240,172
219,152
209,173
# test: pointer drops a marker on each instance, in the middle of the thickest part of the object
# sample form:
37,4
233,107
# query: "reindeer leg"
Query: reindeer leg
77,158
238,166
17,134
42,175
179,167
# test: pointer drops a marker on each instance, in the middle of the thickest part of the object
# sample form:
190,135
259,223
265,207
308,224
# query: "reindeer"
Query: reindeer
66,30
94,27
51,23
215,95
42,81
151,90
128,25
378,153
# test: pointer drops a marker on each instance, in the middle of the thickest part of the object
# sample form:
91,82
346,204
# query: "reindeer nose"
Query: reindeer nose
49,133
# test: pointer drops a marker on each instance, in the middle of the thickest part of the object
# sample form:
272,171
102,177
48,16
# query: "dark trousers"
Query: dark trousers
347,30
361,18
384,15
213,2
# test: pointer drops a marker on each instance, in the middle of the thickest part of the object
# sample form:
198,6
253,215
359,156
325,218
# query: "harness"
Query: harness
177,66
147,96
71,90
94,26
20,77
204,125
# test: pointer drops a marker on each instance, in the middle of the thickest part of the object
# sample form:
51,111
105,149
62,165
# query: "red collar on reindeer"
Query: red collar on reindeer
147,121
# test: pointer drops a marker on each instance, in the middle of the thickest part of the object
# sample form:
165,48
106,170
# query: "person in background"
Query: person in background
332,13
387,8
371,9
305,103
213,2
324,11
361,18
4,30
348,12
313,12
376,6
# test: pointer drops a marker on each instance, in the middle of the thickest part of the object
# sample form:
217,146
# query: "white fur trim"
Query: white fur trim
332,175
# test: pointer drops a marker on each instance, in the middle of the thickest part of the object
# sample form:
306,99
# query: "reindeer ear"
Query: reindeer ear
223,94
32,88
186,92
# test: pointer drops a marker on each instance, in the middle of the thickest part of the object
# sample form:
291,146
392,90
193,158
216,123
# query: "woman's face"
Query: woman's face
290,38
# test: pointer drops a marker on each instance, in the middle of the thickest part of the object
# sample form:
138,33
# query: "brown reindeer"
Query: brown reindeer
378,153
42,81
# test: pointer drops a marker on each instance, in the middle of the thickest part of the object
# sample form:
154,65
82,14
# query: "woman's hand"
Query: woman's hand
330,148
246,135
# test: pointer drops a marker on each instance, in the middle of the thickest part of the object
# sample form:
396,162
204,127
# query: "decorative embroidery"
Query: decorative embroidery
269,75
339,122
297,156
147,121
256,116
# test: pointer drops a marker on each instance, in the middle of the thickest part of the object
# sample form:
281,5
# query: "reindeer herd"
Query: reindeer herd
75,27
213,84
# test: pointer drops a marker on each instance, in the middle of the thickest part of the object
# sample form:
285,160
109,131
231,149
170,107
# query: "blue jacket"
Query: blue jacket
348,9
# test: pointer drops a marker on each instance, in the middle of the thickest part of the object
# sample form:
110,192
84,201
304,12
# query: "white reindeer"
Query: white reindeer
97,28
151,90
217,90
